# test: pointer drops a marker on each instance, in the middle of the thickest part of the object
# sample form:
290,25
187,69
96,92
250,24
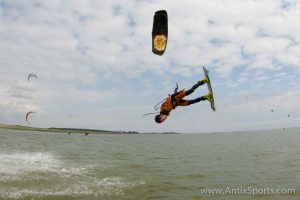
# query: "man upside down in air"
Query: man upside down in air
176,99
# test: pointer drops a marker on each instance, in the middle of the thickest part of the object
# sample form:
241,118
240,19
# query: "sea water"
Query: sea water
240,165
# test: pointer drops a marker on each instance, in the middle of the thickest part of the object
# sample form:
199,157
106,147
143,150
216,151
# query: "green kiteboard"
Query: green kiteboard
210,91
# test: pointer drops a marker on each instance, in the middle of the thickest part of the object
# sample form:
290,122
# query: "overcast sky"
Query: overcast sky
96,69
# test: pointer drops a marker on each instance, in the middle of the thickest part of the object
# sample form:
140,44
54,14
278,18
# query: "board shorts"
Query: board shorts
179,98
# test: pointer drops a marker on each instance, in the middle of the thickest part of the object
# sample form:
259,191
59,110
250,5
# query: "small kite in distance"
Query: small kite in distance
289,115
272,110
31,75
27,115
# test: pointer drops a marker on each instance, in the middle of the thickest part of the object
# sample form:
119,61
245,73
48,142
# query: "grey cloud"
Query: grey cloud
20,91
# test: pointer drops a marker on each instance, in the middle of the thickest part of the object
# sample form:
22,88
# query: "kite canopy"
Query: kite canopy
160,32
27,115
31,75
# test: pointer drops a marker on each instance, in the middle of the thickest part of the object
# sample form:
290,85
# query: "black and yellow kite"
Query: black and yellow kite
160,32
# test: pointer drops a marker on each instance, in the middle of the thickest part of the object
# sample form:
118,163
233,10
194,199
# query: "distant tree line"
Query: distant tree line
91,130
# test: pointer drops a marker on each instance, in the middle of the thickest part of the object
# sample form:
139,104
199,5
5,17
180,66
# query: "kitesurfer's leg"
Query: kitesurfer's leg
199,83
184,102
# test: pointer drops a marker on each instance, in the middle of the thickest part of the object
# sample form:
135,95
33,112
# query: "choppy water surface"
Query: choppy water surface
37,165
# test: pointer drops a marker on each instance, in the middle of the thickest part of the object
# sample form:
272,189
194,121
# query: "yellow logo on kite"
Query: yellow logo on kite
160,42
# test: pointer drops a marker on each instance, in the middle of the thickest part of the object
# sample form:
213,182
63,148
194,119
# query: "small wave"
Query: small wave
193,176
117,182
102,187
19,163
54,178
160,158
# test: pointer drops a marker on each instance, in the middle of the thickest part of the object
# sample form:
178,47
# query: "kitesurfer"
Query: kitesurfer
176,99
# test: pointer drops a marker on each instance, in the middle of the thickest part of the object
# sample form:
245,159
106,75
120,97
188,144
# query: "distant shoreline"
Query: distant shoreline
96,131
64,130
72,130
